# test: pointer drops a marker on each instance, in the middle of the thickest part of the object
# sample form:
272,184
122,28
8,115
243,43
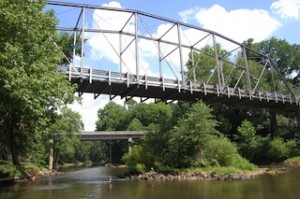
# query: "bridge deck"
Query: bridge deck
127,85
110,135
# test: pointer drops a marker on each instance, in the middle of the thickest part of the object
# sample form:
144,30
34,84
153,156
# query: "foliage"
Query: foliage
32,88
65,41
111,117
285,55
133,160
247,141
9,170
65,129
188,137
278,149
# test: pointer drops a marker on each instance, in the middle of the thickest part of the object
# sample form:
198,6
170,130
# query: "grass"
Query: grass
297,158
292,162
8,170
218,170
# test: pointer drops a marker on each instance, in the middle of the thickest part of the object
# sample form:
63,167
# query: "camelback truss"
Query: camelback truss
130,53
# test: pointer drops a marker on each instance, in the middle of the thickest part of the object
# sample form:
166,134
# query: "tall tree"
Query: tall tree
65,129
30,86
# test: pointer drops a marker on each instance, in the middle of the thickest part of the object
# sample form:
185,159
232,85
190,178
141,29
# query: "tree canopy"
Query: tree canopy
30,86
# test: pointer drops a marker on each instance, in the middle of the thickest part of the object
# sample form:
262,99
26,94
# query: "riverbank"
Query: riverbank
11,174
209,175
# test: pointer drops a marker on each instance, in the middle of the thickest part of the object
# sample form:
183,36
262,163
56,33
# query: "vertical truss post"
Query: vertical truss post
137,47
247,72
217,62
222,72
120,48
74,54
180,54
74,48
82,40
159,59
193,65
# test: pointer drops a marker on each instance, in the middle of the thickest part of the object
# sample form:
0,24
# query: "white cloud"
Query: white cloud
107,46
187,15
89,107
287,8
239,24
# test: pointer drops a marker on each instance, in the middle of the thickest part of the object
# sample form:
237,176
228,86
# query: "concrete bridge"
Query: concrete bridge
110,135
102,135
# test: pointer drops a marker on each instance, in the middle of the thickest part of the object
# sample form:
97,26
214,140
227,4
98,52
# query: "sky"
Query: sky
236,19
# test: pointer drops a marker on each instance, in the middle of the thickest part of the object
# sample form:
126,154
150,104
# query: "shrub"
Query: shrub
248,143
133,158
219,151
138,160
277,149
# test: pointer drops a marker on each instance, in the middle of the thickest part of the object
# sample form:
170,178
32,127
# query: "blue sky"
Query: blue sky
236,19
286,12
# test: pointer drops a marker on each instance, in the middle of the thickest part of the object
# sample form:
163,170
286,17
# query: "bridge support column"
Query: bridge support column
50,166
274,124
130,141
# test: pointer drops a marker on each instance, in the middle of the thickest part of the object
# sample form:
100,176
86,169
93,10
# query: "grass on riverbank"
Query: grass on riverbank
8,170
292,162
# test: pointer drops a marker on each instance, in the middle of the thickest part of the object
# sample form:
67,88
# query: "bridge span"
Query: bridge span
149,56
110,135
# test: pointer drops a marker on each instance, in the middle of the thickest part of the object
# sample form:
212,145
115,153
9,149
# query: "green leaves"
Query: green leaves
30,86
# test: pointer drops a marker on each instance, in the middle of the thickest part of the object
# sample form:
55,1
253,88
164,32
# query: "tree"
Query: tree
31,87
64,130
188,137
111,117
285,56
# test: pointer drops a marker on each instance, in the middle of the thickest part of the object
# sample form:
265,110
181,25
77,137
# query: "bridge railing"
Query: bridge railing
150,81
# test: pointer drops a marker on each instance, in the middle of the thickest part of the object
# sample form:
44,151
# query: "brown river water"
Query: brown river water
90,183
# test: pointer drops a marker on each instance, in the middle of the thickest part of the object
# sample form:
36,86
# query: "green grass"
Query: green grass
218,170
297,158
8,170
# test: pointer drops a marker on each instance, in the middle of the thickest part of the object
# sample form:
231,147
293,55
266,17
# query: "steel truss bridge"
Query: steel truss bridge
149,56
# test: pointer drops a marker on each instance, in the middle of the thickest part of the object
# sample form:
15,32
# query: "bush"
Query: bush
138,160
188,137
219,151
279,149
248,143
133,158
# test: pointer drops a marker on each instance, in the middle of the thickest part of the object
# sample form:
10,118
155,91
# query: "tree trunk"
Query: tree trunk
10,129
274,124
55,161
298,121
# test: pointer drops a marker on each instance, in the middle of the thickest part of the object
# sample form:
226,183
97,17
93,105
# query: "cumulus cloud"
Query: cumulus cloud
287,8
187,15
107,46
239,24
89,107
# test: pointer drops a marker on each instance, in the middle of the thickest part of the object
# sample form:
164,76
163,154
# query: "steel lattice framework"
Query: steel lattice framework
167,60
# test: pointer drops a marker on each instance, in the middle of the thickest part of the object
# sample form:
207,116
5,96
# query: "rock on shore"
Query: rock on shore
205,175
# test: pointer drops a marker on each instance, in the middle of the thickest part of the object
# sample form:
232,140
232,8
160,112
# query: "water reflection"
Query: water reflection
94,183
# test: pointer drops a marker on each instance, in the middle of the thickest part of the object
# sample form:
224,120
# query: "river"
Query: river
90,183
